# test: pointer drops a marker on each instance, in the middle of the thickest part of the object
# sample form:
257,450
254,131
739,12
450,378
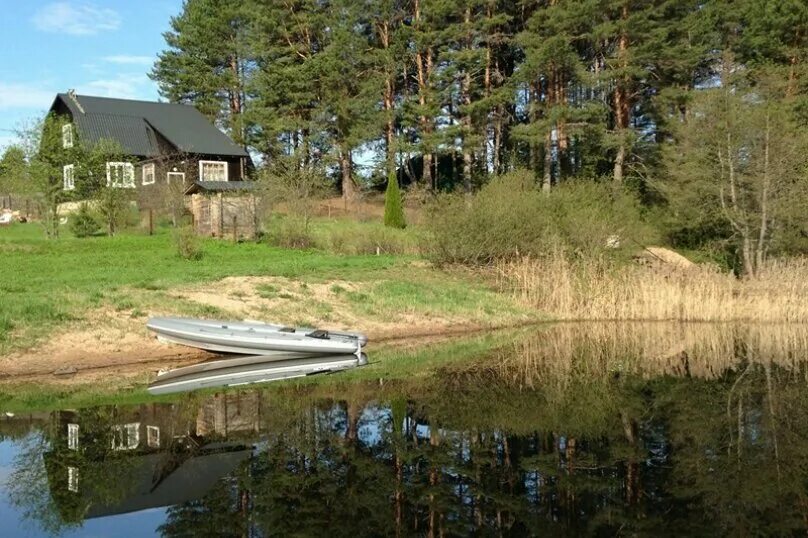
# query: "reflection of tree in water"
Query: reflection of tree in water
542,439
221,512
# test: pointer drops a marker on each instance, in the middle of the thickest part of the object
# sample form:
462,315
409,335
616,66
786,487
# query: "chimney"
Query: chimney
71,93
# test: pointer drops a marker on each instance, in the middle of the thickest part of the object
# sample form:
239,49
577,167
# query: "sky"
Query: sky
97,47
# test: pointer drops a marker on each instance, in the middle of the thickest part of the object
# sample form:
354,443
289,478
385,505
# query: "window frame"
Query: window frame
153,436
67,136
73,436
150,167
73,478
127,175
126,441
226,170
69,185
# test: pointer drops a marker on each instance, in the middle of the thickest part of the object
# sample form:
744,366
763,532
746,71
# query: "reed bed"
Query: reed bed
600,290
567,354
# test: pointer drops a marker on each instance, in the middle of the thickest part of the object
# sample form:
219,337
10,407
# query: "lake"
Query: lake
603,430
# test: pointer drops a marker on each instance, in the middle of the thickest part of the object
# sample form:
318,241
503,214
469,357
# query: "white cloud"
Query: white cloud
75,18
122,86
25,96
125,59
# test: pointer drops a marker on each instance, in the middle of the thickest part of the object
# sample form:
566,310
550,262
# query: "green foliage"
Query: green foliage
393,208
735,178
83,223
510,216
13,170
187,243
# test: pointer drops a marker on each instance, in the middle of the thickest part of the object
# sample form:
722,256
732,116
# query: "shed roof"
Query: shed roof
219,186
134,123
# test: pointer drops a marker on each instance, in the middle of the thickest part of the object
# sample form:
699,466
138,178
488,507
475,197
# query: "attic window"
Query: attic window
212,171
68,179
67,136
148,174
121,175
73,479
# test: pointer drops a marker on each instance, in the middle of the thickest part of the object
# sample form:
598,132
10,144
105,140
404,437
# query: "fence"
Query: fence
225,216
24,205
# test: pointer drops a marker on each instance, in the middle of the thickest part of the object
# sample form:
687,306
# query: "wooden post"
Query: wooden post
221,217
235,229
151,221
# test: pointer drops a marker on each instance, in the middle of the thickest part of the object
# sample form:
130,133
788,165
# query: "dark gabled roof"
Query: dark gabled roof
134,124
134,134
219,186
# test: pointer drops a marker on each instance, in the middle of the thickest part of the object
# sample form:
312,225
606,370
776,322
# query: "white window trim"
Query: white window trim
153,436
128,175
67,136
68,177
125,442
150,168
73,479
226,170
180,174
73,436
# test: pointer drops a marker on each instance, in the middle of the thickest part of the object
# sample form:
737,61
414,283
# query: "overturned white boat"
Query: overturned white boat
249,370
253,338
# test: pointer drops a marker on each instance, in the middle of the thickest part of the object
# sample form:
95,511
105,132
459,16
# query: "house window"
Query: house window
121,175
212,171
148,174
175,176
67,136
68,178
153,436
73,479
73,436
126,436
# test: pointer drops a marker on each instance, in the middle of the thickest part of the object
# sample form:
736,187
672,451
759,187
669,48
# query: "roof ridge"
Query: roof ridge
131,100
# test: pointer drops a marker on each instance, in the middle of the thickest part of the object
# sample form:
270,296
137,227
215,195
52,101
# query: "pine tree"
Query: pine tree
207,63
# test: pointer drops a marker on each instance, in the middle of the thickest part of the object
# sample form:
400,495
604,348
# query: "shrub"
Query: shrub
290,232
83,223
510,217
393,209
188,245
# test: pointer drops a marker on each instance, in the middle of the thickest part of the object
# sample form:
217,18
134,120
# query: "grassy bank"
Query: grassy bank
51,284
391,364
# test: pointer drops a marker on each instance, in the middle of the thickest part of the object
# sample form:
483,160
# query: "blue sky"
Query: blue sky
97,47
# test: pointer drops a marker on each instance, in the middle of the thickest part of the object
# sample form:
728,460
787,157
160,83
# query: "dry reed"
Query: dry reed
598,290
564,353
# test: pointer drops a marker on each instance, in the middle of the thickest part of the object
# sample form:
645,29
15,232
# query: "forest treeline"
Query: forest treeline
563,87
695,106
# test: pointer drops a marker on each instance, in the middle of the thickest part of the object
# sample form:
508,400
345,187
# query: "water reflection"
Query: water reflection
571,431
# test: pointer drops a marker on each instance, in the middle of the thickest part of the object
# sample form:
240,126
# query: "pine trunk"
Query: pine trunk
346,172
622,107
423,63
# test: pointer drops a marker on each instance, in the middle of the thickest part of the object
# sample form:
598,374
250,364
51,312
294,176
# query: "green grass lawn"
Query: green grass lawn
44,282
49,283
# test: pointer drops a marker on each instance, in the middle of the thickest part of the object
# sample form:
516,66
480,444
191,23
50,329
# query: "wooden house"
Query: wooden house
166,143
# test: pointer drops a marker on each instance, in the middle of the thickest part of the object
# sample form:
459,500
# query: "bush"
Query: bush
510,217
393,209
290,232
188,245
83,223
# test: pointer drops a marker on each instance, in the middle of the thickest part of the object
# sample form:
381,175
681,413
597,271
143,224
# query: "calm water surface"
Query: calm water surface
608,430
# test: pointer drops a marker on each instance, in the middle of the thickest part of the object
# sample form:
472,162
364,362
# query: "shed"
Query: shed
224,208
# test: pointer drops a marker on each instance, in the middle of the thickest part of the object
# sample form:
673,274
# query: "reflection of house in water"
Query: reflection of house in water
114,460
